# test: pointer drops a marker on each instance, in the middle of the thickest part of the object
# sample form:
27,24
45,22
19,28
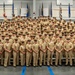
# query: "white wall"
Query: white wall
24,4
47,3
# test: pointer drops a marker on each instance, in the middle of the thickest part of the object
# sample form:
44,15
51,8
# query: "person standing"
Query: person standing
15,47
50,51
28,52
1,51
74,49
35,53
7,48
68,46
59,49
43,53
22,53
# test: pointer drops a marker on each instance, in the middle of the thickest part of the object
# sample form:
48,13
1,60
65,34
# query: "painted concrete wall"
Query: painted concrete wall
47,3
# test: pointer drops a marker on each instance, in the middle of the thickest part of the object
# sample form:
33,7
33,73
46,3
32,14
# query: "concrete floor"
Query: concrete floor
63,70
60,70
10,71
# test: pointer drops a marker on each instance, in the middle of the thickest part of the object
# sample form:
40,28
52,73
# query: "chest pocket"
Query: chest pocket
29,46
16,46
43,46
22,48
51,45
59,46
68,45
8,46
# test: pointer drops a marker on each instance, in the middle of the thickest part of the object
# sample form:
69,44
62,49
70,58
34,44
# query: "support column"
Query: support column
34,8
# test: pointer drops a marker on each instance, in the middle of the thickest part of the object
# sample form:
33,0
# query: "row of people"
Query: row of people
41,39
39,49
